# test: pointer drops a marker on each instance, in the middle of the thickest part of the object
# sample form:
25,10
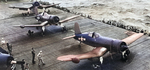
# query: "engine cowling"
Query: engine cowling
5,59
36,3
53,19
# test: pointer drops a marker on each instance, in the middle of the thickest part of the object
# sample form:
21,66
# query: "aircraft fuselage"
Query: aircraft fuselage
52,19
112,45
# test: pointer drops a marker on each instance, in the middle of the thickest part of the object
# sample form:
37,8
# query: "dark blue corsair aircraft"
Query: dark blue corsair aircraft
101,44
31,7
6,60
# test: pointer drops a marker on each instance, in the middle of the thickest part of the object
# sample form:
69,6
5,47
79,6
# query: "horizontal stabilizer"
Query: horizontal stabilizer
47,6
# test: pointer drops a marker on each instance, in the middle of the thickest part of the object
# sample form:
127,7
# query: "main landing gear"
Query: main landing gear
79,44
30,33
25,14
42,33
64,29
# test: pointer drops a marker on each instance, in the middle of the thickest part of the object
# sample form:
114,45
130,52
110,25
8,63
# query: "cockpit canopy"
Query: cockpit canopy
93,34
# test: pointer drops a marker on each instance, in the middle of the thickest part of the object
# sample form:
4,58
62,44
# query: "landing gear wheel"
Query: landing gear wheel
42,33
64,29
27,14
48,11
23,14
101,60
80,44
30,33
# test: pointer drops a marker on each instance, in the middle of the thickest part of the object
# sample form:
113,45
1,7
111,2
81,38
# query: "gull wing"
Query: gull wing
38,27
99,51
23,26
132,38
41,25
47,6
31,27
21,6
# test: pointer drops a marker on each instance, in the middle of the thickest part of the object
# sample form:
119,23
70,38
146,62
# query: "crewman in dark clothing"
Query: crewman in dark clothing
9,47
22,65
33,56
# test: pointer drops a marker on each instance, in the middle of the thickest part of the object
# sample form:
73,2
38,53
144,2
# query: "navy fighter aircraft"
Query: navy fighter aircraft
42,17
32,8
101,44
47,24
6,60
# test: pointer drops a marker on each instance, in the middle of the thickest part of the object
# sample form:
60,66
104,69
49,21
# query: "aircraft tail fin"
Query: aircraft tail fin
36,10
33,10
77,28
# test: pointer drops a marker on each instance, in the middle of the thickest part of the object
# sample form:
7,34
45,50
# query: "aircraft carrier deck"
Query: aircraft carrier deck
53,46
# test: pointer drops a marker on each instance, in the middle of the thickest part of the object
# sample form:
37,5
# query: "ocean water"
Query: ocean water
70,3
129,12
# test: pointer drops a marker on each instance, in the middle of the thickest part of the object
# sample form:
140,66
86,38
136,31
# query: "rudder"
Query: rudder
77,28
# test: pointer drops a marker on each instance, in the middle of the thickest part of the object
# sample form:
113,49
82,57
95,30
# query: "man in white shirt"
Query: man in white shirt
40,59
3,43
